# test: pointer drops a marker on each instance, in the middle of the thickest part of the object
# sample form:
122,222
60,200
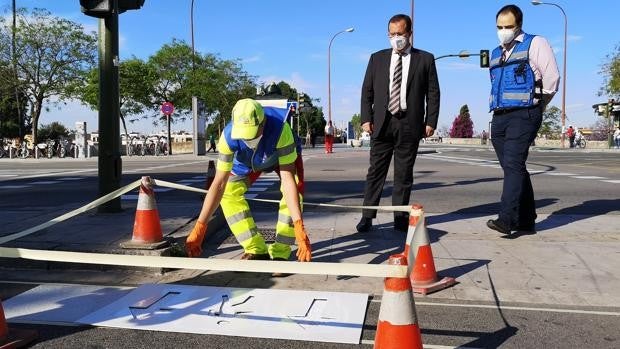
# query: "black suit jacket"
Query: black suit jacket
422,91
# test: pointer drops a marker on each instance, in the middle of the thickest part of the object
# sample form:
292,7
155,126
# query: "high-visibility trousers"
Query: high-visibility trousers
241,223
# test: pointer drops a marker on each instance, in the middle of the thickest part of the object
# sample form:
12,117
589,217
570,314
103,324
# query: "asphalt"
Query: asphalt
566,264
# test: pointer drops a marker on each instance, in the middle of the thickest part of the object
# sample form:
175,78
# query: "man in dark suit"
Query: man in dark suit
400,106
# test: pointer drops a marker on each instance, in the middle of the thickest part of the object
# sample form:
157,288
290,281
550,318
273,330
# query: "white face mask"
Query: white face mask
399,42
506,36
253,143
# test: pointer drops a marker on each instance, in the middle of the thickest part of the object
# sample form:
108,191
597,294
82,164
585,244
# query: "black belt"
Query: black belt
399,115
510,110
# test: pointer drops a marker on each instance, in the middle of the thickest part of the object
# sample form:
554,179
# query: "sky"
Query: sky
278,40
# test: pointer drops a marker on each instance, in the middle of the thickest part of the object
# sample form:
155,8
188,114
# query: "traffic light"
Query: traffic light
302,100
104,8
484,58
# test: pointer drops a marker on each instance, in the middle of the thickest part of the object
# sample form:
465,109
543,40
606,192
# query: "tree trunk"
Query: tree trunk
35,119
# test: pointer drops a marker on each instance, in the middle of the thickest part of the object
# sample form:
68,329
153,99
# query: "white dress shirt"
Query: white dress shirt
405,73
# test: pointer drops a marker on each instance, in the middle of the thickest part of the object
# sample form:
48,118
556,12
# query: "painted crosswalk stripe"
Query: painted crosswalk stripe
589,177
129,197
183,181
13,186
257,189
614,181
559,174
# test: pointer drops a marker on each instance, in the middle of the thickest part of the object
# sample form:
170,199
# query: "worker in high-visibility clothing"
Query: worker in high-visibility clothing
256,140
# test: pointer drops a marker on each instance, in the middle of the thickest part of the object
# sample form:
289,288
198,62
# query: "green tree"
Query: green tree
611,75
219,83
462,126
136,88
54,130
551,126
9,107
356,121
53,57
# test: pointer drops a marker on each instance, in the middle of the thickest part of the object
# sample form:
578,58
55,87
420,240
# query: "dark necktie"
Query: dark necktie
394,105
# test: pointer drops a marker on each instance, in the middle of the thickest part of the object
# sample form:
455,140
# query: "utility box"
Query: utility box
80,139
200,122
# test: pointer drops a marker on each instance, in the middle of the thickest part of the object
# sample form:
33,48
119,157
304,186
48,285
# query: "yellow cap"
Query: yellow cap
247,116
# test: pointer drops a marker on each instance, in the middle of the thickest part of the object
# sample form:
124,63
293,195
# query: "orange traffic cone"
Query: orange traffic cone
423,276
398,324
11,337
414,217
147,228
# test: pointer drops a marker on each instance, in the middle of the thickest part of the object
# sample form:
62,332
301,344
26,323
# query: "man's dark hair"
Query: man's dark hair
401,17
515,10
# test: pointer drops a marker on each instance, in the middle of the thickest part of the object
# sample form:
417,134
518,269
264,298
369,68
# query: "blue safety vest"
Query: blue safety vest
265,157
513,83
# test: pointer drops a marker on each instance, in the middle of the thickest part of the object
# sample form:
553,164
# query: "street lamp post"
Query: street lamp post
329,73
191,24
411,39
536,2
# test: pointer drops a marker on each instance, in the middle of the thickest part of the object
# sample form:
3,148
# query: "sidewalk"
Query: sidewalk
572,260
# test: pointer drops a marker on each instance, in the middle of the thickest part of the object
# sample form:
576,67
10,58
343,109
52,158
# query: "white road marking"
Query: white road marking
184,181
589,177
44,182
13,186
257,189
503,307
263,183
129,197
614,181
426,346
559,174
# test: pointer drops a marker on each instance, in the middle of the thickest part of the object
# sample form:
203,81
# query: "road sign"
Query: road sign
167,108
293,105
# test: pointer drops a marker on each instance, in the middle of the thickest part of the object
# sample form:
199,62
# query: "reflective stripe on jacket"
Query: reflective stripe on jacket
513,82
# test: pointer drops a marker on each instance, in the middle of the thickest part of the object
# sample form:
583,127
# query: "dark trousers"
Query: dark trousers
395,138
512,133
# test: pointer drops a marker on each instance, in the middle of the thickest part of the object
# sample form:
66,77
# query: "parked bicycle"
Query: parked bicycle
4,147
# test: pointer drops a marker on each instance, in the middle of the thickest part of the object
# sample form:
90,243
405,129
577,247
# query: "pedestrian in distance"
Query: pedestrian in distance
399,106
256,140
211,142
617,137
524,78
570,133
329,138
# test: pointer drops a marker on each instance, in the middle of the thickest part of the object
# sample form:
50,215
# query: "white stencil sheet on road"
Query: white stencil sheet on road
265,313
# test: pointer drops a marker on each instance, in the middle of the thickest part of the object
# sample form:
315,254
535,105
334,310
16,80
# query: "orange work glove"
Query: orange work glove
304,250
193,244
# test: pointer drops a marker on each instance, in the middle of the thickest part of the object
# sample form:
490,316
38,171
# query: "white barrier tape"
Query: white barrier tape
203,191
313,268
102,200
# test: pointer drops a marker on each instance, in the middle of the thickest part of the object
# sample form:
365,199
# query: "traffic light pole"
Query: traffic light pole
109,159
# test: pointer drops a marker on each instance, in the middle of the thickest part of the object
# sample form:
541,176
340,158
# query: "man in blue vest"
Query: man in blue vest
524,78
257,140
